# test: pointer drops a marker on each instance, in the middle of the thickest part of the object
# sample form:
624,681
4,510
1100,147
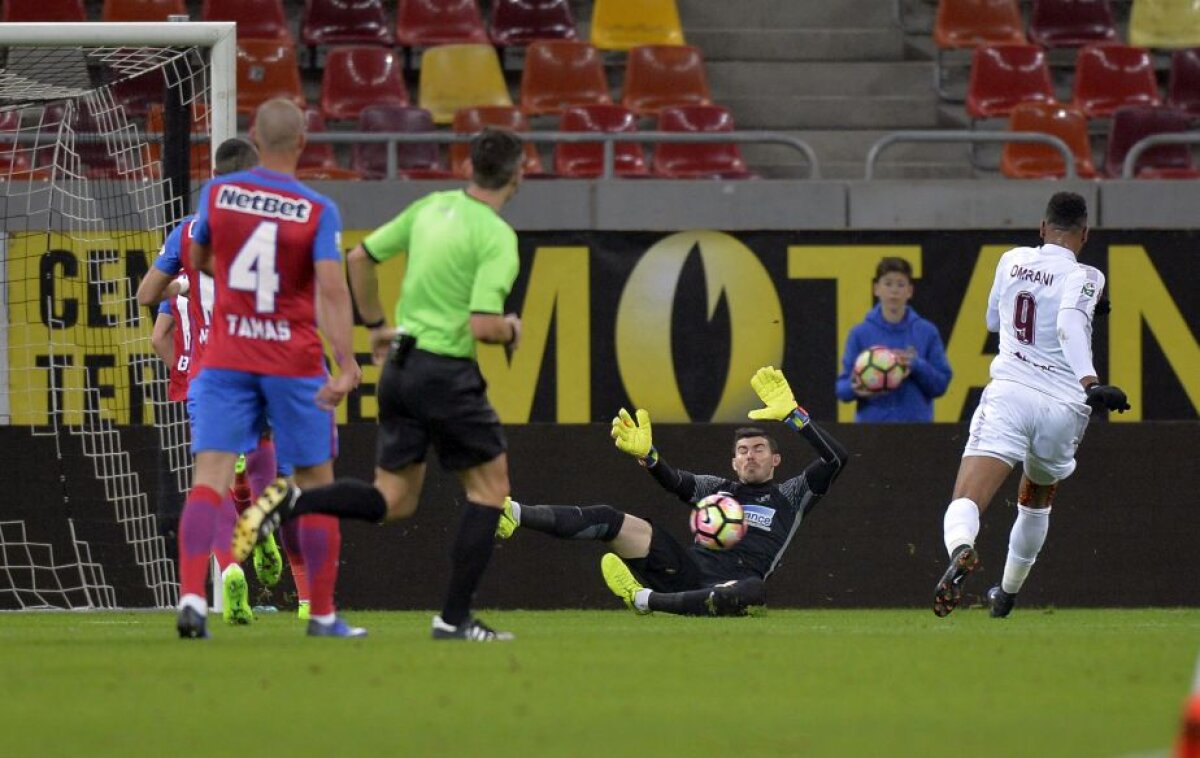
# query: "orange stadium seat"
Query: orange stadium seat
516,23
1183,88
1026,160
345,22
413,161
664,76
471,120
1164,23
44,10
357,76
1004,76
142,10
698,160
970,23
200,160
420,23
583,160
256,19
562,73
1110,76
266,69
1071,23
624,24
460,76
1132,124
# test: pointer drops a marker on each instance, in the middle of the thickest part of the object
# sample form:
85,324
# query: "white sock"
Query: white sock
961,524
325,620
195,602
516,511
1026,539
641,600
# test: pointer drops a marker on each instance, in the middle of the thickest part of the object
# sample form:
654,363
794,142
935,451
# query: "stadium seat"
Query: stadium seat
43,10
516,23
970,23
664,76
421,23
1071,23
413,161
471,120
585,161
318,161
625,24
1164,23
460,76
1004,76
1183,88
256,19
138,93
1110,76
200,160
1132,124
562,73
357,76
345,22
142,10
1027,160
266,69
698,160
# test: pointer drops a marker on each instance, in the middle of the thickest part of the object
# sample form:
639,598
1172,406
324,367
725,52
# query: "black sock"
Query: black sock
345,498
690,603
596,522
727,600
471,553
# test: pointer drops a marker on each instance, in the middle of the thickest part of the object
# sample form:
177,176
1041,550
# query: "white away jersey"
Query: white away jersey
1032,285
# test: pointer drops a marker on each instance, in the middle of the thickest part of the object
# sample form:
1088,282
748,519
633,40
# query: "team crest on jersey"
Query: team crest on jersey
259,202
1089,289
759,516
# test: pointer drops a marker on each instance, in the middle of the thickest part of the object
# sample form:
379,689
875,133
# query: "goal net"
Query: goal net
104,128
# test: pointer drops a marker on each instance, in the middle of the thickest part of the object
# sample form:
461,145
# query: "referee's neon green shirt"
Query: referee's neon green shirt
462,259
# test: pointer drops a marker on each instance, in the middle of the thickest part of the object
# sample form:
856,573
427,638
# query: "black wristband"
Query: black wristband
376,324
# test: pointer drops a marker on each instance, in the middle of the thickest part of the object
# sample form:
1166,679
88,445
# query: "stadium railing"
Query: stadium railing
950,135
1128,169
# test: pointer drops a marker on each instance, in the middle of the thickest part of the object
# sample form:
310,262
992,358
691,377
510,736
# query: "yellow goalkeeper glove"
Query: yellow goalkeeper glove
773,390
633,437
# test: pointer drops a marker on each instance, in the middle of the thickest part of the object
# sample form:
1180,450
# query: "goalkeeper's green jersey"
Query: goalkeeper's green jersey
462,259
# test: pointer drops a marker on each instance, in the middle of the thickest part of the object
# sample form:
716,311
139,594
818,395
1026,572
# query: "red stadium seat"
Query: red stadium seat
698,160
562,73
970,23
1183,88
360,75
266,69
345,22
200,160
256,19
664,76
1027,160
318,161
1071,23
420,23
1004,76
413,161
1132,124
142,10
583,160
43,10
516,23
471,120
140,92
1110,76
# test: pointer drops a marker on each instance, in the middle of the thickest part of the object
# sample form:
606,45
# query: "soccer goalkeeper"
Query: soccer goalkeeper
647,567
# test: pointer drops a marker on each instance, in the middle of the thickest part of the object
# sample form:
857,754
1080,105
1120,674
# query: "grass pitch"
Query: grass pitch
604,683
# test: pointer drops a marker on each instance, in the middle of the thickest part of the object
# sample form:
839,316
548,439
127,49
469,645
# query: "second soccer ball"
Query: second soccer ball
877,369
718,522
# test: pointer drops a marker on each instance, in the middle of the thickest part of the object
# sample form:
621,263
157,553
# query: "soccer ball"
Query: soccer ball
877,369
718,522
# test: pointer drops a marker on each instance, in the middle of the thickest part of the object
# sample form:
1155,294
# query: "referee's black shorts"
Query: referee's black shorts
438,400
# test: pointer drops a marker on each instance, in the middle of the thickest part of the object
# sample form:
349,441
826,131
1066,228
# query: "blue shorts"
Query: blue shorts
282,467
229,410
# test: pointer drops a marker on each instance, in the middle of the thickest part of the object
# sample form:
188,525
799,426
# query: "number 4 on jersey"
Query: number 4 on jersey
253,268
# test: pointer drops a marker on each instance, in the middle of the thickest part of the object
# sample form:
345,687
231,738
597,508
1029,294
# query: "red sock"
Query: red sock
241,492
291,546
222,540
196,528
321,544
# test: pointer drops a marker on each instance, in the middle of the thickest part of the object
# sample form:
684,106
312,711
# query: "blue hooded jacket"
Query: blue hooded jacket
929,371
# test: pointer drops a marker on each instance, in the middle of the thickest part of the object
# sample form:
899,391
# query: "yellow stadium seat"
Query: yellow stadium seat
624,24
1164,23
460,76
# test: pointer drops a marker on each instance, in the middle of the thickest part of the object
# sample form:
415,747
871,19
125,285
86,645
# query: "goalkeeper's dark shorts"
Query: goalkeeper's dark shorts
435,400
671,567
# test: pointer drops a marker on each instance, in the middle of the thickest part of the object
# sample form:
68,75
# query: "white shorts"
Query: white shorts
1018,424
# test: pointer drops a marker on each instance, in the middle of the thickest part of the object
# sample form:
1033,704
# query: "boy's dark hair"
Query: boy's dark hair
892,265
496,156
753,431
1066,212
233,155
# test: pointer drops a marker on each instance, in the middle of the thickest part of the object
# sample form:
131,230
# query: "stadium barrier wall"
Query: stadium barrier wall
1123,531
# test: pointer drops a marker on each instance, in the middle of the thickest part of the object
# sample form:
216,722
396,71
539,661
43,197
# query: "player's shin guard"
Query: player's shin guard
196,529
1024,543
345,498
596,522
320,541
471,553
291,545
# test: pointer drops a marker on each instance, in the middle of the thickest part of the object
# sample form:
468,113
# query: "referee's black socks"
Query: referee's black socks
345,498
471,554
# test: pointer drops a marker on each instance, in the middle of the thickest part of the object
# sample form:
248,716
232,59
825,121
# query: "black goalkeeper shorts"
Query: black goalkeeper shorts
438,400
669,566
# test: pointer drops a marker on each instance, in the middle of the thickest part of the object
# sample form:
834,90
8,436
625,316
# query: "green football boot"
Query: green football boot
303,612
236,609
268,563
508,522
621,581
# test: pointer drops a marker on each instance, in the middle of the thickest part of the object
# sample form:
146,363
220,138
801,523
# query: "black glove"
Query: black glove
1107,396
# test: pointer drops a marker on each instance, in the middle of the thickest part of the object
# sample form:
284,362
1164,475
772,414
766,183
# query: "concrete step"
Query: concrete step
739,44
831,112
785,14
770,79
